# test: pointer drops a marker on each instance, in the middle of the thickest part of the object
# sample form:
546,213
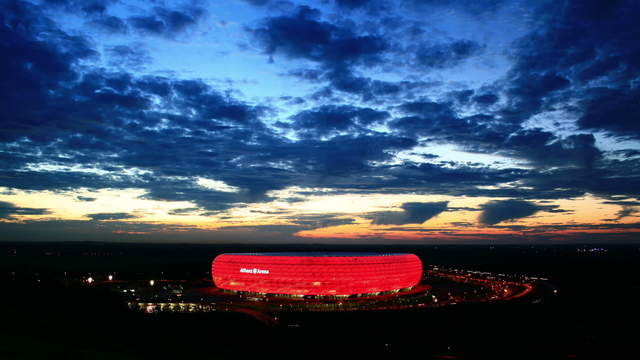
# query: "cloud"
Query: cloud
341,49
352,4
544,149
439,120
303,35
87,7
485,99
613,110
488,134
167,22
68,123
258,2
339,156
184,211
583,47
336,119
10,211
205,198
63,180
626,211
348,81
109,120
440,56
85,198
133,57
95,11
110,24
412,213
497,211
32,39
472,7
119,231
321,221
110,216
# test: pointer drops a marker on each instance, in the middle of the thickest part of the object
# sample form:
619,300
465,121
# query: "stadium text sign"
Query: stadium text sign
253,271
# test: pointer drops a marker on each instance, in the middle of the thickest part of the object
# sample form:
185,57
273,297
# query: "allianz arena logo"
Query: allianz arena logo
253,271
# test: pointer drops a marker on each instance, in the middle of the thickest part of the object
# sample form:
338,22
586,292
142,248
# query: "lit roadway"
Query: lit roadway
438,289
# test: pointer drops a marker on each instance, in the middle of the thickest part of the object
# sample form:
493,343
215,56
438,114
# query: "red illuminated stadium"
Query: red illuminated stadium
318,274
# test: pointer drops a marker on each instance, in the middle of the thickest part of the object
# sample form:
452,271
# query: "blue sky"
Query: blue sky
343,121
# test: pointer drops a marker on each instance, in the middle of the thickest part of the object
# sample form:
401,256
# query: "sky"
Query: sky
333,121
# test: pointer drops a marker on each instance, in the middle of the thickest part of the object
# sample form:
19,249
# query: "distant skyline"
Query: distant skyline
346,121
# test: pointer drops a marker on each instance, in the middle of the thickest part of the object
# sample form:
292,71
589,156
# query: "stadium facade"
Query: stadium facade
316,274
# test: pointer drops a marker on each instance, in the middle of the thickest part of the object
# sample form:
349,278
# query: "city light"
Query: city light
152,282
89,279
110,277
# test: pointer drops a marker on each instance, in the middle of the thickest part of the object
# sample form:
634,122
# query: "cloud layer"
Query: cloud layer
351,97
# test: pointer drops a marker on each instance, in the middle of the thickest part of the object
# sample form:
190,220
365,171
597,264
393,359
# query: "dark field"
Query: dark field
46,314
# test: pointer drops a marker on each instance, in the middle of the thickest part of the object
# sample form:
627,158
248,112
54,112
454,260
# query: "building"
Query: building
317,274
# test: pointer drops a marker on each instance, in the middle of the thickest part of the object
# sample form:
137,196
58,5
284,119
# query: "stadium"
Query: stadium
316,274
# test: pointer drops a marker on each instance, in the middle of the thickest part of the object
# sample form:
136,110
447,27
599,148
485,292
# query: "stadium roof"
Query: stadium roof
319,254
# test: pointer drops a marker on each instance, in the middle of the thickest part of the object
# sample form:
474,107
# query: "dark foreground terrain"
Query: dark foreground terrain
46,313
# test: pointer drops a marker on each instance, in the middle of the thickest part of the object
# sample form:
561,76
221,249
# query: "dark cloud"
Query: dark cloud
299,223
321,221
544,149
30,91
303,35
9,210
613,110
184,211
64,180
87,7
307,74
498,211
426,118
352,4
485,99
623,203
446,55
78,230
626,153
94,128
368,89
341,156
472,7
110,216
460,96
110,24
133,57
439,120
536,86
627,211
568,36
85,198
530,94
334,119
258,2
205,198
95,11
462,208
260,233
412,213
339,49
488,134
589,47
105,120
167,22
